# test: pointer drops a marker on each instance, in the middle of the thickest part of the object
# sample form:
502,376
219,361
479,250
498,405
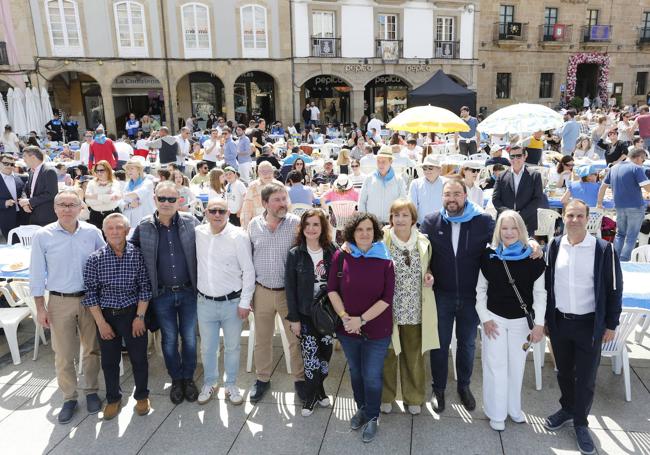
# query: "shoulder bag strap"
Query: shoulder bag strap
514,287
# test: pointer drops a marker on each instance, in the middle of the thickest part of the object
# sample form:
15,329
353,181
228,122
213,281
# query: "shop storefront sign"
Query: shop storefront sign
392,79
418,68
357,68
328,80
143,81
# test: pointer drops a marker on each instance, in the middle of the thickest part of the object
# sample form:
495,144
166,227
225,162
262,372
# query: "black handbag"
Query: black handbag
530,315
323,316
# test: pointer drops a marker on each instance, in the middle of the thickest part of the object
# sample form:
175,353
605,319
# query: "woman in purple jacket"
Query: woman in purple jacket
363,297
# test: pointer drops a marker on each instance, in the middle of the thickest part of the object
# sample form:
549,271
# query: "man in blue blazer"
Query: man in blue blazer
520,189
11,189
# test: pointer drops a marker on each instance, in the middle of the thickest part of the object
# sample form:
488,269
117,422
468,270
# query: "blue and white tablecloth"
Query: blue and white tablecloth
636,287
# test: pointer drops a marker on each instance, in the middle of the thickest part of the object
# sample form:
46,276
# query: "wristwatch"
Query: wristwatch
363,321
140,316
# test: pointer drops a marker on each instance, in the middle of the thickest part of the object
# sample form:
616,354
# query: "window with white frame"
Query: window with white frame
323,24
196,30
65,31
253,30
130,26
387,26
445,45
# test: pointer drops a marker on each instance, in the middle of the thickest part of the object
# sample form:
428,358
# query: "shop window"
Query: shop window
546,85
65,31
130,26
503,85
196,30
253,30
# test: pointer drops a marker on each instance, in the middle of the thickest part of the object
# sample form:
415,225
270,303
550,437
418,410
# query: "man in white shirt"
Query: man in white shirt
212,149
315,114
584,290
374,123
226,283
84,150
369,160
184,146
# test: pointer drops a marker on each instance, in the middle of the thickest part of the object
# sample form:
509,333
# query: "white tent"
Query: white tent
10,106
20,121
32,115
46,108
4,120
36,96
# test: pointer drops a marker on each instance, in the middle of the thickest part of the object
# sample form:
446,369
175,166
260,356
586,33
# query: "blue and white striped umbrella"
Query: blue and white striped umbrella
521,118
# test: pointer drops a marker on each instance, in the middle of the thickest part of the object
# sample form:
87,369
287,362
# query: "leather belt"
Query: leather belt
575,317
176,288
231,296
118,311
270,289
68,294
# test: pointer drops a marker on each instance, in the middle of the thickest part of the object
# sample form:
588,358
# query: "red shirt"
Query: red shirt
105,151
644,125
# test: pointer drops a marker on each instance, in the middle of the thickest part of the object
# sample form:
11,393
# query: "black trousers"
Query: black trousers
466,148
97,218
316,354
577,356
112,354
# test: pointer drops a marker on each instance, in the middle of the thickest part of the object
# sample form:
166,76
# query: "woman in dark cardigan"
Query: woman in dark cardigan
506,331
305,272
363,299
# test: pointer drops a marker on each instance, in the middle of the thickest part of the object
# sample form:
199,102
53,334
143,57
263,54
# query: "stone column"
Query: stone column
109,109
229,89
356,100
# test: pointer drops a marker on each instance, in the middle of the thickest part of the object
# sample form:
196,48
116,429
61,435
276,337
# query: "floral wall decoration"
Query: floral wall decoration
602,60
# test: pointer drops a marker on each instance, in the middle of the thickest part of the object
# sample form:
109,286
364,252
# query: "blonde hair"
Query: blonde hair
344,157
215,182
137,164
519,223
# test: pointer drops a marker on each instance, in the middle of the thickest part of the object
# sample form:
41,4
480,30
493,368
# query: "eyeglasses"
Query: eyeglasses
519,155
526,345
100,170
61,205
219,211
171,200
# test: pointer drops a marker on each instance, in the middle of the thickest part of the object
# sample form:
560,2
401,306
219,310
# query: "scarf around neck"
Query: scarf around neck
378,250
386,178
409,244
100,138
470,211
514,252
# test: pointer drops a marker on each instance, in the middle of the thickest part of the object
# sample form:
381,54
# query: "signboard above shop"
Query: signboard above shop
136,81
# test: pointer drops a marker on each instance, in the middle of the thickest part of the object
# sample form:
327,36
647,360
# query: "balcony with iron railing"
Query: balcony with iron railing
388,49
447,49
4,57
514,33
596,34
325,47
644,36
555,34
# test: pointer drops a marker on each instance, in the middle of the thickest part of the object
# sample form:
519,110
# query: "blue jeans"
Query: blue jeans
214,316
366,362
463,310
628,226
176,313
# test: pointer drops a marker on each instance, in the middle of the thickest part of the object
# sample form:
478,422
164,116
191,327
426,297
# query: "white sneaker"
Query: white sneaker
497,425
518,419
414,409
206,394
233,394
386,408
324,403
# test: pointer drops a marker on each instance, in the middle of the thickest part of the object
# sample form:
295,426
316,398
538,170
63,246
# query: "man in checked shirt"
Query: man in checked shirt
117,293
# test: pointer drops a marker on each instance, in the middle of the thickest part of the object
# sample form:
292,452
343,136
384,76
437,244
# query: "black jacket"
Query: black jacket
530,196
42,201
299,280
9,215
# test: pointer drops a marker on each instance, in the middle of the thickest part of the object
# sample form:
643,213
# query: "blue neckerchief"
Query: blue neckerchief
390,175
100,139
514,252
134,183
378,250
471,210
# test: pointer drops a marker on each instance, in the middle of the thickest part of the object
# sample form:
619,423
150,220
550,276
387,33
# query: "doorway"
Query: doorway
587,80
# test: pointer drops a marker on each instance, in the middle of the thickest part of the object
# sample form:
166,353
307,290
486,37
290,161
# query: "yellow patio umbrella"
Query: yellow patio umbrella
428,119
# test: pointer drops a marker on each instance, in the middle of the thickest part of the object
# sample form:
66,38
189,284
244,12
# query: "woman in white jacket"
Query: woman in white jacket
103,194
137,201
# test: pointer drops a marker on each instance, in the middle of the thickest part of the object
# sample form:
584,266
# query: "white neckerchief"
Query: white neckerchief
410,244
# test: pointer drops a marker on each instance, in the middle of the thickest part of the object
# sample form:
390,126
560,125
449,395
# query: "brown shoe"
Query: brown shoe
142,407
112,409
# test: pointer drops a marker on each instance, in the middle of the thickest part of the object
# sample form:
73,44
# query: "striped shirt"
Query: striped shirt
270,249
116,282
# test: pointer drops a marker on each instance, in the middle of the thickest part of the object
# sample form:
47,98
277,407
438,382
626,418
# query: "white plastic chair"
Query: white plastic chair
299,209
546,223
617,348
24,233
342,212
594,224
640,254
480,156
644,239
251,342
21,289
10,319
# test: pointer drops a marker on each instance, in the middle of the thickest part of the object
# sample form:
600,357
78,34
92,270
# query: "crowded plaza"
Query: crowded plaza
368,268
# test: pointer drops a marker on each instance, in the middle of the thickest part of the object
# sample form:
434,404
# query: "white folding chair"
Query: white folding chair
342,212
546,223
640,254
21,289
24,233
594,224
10,319
251,342
617,348
299,209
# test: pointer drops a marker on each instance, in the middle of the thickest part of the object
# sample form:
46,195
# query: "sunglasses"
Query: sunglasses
519,155
473,171
407,258
219,211
100,170
355,165
7,163
526,345
569,165
428,168
171,200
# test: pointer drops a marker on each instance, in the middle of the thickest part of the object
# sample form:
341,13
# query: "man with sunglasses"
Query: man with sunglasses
426,191
202,175
226,283
167,242
11,187
520,189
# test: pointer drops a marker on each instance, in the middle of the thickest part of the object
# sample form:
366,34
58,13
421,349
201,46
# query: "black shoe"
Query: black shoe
358,419
438,401
176,393
558,420
584,440
93,403
191,393
67,411
300,387
467,398
258,390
